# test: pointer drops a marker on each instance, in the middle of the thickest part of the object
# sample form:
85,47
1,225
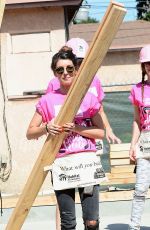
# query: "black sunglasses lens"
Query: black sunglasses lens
60,70
70,69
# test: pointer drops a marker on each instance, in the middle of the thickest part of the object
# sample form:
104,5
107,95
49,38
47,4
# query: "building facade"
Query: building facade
31,32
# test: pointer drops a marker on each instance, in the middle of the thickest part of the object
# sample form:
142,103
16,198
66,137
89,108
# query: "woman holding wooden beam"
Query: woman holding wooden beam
80,47
76,164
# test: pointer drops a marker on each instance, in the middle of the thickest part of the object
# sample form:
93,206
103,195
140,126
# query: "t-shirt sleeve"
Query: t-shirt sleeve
99,88
49,87
132,96
53,85
41,108
95,106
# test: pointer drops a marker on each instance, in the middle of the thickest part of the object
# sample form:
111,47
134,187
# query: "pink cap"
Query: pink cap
145,54
79,47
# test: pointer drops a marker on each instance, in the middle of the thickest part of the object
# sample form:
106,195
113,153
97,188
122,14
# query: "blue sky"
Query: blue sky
98,8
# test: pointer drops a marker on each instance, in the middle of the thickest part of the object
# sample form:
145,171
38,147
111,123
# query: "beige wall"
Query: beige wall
120,68
33,20
24,152
29,39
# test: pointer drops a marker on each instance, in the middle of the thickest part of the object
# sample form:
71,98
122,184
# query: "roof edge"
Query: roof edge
43,4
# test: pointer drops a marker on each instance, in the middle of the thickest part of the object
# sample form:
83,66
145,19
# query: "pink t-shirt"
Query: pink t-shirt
95,87
49,106
144,107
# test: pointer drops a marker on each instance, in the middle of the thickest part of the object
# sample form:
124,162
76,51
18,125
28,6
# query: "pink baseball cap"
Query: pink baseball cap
145,54
79,47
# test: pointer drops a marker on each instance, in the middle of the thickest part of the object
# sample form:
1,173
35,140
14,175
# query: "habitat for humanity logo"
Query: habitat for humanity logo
69,178
99,173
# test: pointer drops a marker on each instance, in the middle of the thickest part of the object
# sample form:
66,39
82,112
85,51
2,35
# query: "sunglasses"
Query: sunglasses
60,70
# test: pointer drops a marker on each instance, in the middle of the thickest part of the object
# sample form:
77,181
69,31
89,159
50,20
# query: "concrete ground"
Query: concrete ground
114,216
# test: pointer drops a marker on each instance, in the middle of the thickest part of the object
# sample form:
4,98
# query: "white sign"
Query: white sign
77,170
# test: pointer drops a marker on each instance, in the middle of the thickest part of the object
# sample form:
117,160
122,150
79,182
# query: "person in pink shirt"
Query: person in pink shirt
140,143
80,48
79,142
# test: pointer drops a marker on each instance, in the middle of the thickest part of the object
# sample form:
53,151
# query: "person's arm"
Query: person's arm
96,131
110,136
36,129
135,133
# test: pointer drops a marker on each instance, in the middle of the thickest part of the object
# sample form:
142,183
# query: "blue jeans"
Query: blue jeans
89,203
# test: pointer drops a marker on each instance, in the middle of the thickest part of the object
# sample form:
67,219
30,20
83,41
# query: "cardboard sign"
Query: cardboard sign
77,170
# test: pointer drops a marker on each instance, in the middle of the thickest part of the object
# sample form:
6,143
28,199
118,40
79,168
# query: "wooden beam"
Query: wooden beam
125,161
120,147
122,168
105,196
2,7
119,154
119,180
98,49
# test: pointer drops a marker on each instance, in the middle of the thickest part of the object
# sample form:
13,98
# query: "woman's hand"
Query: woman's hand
132,153
111,137
57,129
68,127
53,129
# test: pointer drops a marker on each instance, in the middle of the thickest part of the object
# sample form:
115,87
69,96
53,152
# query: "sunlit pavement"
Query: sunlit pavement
113,215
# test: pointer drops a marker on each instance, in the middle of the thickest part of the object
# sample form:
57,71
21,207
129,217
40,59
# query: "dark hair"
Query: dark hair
66,48
64,53
79,62
143,78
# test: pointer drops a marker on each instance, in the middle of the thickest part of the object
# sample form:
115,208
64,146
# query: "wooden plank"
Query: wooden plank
121,175
119,147
105,196
117,88
119,181
122,168
94,58
119,154
10,202
117,195
124,161
2,7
